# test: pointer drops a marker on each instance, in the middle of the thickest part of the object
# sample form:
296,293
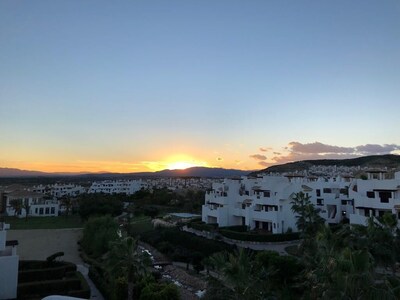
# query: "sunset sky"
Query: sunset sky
130,86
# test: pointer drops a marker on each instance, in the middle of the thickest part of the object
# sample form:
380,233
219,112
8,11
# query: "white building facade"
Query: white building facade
38,205
8,265
265,203
60,190
127,187
375,196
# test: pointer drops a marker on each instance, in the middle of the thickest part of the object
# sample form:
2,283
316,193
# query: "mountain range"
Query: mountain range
189,172
389,161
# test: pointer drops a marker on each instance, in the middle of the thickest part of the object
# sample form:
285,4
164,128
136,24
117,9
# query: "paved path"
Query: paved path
38,244
279,246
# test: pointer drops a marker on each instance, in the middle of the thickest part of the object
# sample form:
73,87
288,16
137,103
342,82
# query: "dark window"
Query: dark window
53,210
41,211
318,193
327,191
320,201
344,192
47,210
385,196
344,202
36,210
371,194
267,194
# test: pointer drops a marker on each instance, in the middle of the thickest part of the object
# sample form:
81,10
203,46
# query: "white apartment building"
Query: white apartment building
60,190
8,265
375,197
265,202
38,205
127,187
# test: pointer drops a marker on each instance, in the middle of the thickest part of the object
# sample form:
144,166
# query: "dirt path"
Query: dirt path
37,244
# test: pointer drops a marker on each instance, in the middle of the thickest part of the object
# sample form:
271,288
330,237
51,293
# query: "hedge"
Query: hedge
251,237
48,287
236,228
202,226
39,271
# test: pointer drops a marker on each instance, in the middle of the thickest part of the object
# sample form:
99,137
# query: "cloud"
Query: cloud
258,157
264,163
219,159
317,150
318,147
262,149
377,149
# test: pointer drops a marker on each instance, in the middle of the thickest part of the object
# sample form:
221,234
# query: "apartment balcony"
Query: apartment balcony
358,219
265,215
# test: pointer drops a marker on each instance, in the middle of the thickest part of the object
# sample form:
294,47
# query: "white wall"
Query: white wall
8,277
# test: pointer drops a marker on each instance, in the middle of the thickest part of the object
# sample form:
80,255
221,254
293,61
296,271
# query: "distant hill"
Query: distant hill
373,161
190,172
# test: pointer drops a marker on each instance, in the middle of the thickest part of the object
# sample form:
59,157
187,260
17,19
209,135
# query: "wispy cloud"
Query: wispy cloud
258,157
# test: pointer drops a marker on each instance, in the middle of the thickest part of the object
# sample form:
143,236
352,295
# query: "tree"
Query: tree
97,235
67,203
126,259
237,269
26,207
308,218
16,205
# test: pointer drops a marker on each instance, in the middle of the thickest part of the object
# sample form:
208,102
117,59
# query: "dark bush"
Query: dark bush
40,271
48,287
53,257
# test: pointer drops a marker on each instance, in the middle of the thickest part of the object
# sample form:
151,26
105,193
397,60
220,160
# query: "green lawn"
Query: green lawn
140,225
44,222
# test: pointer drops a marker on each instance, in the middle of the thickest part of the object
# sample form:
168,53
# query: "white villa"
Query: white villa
8,265
38,205
127,187
265,202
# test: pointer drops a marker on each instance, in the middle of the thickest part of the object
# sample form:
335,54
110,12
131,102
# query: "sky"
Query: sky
129,86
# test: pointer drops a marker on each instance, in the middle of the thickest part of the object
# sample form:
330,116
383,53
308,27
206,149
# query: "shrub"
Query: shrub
237,228
251,237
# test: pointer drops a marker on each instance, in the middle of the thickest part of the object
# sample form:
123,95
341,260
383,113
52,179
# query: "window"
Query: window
384,196
370,194
53,210
344,202
47,210
320,201
41,211
327,191
267,194
318,193
36,210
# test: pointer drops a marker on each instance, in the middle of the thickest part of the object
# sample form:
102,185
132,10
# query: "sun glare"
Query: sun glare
180,165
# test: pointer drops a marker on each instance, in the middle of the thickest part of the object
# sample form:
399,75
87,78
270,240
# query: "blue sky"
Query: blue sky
136,85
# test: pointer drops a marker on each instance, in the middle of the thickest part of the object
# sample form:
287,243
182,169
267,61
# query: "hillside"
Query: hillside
389,161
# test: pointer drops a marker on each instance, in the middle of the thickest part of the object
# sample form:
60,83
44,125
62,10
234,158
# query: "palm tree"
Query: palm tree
237,269
126,259
308,218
